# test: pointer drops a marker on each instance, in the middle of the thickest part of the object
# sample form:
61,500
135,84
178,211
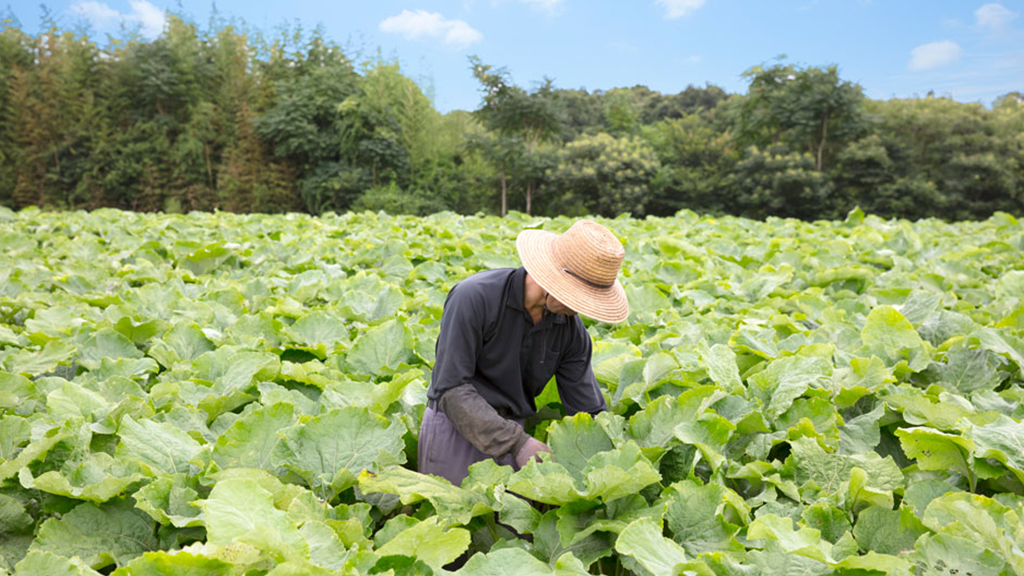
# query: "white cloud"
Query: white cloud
934,55
146,16
417,24
994,17
549,6
679,8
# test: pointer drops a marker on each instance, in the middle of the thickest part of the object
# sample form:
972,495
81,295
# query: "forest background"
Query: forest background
223,118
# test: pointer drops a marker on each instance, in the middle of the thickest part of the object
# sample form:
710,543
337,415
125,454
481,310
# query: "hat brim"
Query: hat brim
603,304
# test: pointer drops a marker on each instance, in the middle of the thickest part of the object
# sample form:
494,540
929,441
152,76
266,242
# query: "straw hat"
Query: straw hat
579,267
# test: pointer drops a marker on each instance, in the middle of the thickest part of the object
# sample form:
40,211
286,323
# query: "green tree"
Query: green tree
604,175
806,108
774,182
697,162
514,113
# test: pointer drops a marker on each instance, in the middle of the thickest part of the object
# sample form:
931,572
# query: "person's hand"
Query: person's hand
530,450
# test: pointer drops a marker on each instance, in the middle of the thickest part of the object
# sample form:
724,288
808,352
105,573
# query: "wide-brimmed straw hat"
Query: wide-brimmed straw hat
580,268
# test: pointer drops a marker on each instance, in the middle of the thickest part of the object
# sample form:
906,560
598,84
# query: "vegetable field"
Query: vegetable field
216,394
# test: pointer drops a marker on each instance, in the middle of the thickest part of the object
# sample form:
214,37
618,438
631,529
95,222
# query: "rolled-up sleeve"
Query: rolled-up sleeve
577,386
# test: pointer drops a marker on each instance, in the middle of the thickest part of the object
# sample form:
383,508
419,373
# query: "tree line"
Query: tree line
224,118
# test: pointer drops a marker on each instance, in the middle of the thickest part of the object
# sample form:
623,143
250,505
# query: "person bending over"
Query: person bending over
504,333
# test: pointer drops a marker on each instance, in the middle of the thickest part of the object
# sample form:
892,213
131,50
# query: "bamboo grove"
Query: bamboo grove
225,118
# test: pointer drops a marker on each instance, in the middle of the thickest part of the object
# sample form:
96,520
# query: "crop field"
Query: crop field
217,394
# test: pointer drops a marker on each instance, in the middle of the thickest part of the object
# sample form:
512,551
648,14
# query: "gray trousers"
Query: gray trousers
446,453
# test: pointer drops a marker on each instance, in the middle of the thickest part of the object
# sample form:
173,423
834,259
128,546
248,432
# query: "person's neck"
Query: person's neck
533,297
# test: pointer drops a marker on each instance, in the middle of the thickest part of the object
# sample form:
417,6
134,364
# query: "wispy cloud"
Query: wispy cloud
679,8
146,16
549,6
934,55
420,24
993,17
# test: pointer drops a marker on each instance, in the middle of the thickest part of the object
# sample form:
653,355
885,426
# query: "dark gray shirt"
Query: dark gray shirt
488,339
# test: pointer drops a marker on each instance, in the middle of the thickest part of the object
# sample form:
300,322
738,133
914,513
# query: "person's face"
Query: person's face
556,307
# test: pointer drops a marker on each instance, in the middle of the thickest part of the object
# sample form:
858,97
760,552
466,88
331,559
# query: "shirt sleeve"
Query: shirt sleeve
459,340
577,386
479,423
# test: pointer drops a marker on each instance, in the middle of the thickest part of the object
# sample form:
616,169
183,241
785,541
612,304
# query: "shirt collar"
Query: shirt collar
517,294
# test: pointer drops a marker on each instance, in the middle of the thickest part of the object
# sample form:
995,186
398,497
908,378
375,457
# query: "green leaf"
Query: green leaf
430,542
106,343
381,349
328,451
233,370
183,342
177,563
575,440
892,337
504,562
617,473
786,379
38,448
887,531
709,433
99,535
319,332
164,448
642,541
239,510
935,450
1003,441
861,434
695,517
1000,341
250,441
31,362
981,520
38,563
97,478
947,554
965,370
829,520
168,501
453,505
802,541
722,368
828,471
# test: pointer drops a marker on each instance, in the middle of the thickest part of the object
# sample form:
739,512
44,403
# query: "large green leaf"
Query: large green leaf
575,440
97,478
168,500
887,531
890,336
250,441
786,379
240,510
100,535
695,517
643,542
1002,440
453,505
381,349
428,541
328,451
164,448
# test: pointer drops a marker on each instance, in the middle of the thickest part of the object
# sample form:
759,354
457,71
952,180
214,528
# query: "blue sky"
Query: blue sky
972,51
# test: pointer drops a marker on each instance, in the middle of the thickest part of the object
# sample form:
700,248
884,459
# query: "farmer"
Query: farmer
504,334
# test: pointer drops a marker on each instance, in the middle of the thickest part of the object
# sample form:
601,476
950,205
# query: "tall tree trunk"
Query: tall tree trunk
824,135
529,197
504,192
